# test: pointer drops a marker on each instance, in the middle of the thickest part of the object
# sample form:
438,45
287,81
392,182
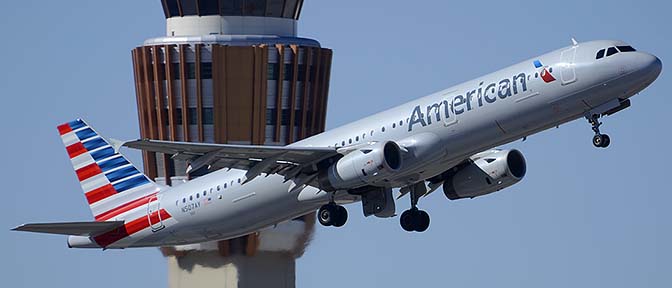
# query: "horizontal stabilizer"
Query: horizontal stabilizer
71,228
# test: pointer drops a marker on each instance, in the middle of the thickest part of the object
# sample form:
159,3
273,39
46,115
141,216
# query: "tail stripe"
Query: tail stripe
95,144
102,154
75,150
130,183
88,171
124,208
64,129
69,139
100,193
76,124
112,163
121,173
94,182
85,134
130,228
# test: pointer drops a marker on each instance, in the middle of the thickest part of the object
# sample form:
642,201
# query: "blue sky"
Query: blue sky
582,216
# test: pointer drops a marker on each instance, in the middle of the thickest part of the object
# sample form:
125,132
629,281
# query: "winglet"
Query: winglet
116,144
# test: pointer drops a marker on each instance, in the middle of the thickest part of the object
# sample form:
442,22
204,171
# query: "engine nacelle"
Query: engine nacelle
488,172
365,166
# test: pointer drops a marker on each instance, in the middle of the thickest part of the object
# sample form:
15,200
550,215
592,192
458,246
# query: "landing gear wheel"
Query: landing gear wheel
332,215
605,140
406,221
414,220
341,216
326,214
601,140
422,221
597,140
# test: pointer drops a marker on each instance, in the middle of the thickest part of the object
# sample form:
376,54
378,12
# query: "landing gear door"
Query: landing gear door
567,71
154,214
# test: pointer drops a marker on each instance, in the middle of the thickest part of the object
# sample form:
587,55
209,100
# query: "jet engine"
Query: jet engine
367,165
486,173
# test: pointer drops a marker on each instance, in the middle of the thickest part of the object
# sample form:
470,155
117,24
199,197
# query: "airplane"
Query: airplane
446,139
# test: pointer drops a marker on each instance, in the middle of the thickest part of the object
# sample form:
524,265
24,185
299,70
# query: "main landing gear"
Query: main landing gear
332,214
415,219
599,140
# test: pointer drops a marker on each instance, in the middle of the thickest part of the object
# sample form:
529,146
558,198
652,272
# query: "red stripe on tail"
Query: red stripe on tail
75,150
101,193
63,129
124,208
88,171
129,229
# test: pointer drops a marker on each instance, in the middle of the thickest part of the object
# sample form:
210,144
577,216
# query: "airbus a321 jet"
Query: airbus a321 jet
446,139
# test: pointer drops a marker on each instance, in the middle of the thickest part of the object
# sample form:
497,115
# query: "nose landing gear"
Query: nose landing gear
599,140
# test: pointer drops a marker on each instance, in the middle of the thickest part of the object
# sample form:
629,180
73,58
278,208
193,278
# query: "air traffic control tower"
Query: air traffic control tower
231,71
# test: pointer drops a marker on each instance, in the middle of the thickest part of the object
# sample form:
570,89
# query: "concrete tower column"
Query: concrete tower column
231,71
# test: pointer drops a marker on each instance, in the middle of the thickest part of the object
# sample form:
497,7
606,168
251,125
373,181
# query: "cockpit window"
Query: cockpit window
600,54
611,51
626,48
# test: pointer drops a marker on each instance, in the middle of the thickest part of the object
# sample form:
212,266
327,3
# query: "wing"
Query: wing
284,160
71,228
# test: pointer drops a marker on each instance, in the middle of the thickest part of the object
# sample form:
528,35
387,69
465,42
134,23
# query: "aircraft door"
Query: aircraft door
567,71
154,214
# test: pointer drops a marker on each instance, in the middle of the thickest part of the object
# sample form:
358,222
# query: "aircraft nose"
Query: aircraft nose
650,65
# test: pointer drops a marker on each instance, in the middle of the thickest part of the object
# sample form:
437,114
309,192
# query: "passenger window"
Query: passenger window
184,200
611,51
224,185
600,54
350,141
343,143
394,125
217,187
382,129
198,196
357,138
626,48
401,123
191,198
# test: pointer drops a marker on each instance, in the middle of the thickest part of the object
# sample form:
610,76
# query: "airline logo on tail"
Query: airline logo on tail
545,72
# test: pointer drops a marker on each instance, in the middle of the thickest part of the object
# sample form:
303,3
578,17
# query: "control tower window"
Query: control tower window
626,48
206,70
611,51
191,70
208,8
290,8
208,117
288,74
175,70
272,72
274,8
254,7
600,54
189,7
173,9
232,8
